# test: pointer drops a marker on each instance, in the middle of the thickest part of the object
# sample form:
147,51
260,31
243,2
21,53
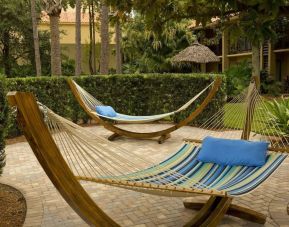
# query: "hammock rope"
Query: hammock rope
229,121
92,154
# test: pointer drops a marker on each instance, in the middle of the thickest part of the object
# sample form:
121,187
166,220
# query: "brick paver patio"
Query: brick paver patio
47,208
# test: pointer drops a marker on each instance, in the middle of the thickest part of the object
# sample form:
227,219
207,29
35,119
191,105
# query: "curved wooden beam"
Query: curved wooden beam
141,135
31,121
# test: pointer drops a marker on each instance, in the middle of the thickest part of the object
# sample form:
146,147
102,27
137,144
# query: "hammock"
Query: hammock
91,102
88,103
69,153
179,175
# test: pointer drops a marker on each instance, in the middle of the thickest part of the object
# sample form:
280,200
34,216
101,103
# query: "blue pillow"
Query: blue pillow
233,152
105,111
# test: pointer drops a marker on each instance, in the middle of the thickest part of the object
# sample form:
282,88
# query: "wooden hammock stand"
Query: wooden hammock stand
162,134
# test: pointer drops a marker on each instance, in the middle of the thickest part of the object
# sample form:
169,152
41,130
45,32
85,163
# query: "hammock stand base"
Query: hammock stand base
160,140
206,209
163,134
113,137
163,138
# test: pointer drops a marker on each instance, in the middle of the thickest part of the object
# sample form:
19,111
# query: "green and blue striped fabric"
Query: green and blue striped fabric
188,172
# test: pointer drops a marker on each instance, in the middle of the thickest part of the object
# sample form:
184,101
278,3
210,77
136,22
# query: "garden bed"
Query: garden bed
12,206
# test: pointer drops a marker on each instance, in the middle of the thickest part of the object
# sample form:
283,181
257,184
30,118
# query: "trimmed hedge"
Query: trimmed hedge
3,121
137,94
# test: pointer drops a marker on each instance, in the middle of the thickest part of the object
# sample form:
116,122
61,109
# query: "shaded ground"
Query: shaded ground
12,207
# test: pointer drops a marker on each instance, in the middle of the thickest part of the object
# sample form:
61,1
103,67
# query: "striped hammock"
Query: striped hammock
91,102
95,159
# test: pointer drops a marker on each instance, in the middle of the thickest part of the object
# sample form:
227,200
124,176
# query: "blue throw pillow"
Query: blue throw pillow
105,111
233,152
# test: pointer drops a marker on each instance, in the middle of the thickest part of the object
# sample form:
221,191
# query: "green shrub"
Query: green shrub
3,121
137,94
278,114
238,77
269,85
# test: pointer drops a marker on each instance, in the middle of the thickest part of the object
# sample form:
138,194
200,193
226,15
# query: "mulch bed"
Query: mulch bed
12,207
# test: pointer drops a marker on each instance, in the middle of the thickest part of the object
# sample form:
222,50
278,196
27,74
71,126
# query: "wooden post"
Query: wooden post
251,104
203,68
271,60
225,50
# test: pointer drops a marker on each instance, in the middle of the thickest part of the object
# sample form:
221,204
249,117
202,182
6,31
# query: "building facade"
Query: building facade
274,54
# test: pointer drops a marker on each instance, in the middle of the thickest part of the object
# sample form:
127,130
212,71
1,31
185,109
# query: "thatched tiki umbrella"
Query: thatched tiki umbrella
197,53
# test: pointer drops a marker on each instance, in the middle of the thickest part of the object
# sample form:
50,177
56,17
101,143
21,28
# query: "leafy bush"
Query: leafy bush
137,94
238,77
269,85
3,121
147,52
278,113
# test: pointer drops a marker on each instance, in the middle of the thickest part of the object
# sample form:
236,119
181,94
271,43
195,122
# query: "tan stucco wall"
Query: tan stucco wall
69,51
67,35
236,60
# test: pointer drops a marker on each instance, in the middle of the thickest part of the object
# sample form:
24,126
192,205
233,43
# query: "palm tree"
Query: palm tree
35,39
53,10
77,37
92,61
104,36
118,47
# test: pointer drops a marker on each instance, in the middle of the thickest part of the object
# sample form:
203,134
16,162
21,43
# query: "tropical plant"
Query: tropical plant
238,77
104,36
145,51
35,38
77,37
53,9
278,114
3,122
269,85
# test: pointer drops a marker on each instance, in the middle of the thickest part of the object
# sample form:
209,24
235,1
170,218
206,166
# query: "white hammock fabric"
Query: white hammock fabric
92,102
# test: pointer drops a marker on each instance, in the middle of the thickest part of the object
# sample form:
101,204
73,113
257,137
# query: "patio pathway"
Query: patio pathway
47,208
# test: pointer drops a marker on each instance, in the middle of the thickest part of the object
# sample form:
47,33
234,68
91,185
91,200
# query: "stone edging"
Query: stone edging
279,208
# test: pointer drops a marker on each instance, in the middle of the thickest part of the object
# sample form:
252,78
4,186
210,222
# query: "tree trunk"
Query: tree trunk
104,36
6,53
93,38
256,62
78,37
118,47
55,46
92,62
35,39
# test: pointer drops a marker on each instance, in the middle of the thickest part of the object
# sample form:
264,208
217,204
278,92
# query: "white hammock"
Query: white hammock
92,102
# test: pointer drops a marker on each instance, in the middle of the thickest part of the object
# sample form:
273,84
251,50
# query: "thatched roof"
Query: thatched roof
197,53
